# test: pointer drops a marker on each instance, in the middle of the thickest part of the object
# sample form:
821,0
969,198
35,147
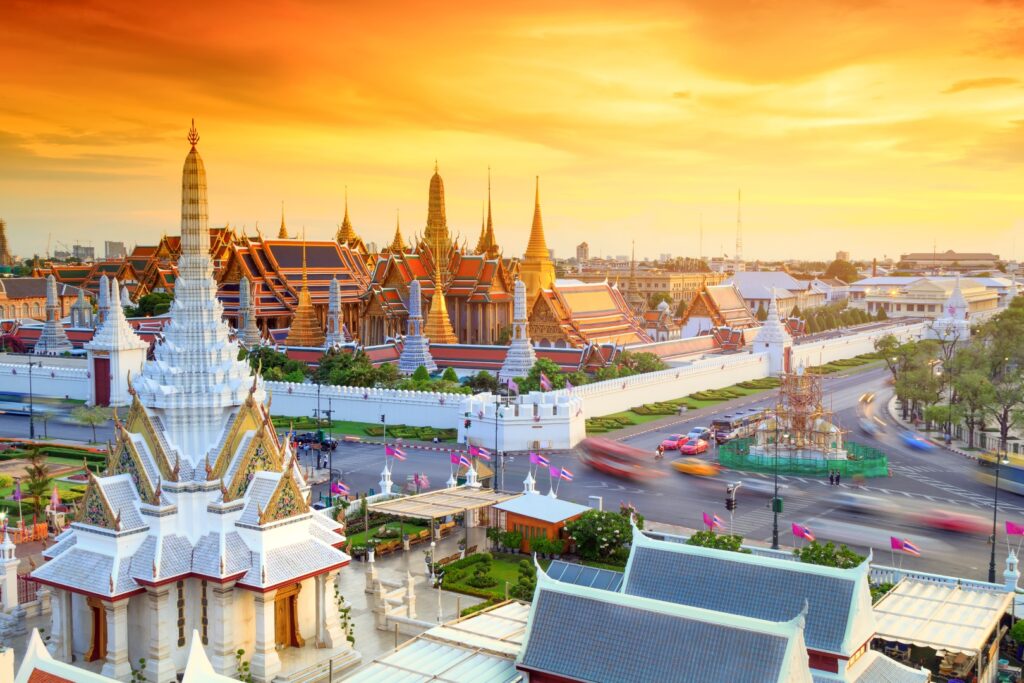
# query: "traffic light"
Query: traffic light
467,423
730,504
382,418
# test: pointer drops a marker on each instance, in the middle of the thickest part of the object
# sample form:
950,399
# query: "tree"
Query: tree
483,381
881,315
640,362
345,368
449,375
154,303
971,387
681,308
598,534
656,298
762,314
550,369
527,582
274,365
709,539
828,555
1003,340
842,270
37,483
93,416
421,374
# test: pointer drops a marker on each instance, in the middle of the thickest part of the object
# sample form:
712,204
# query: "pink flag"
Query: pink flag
568,385
538,459
454,458
394,452
513,386
1014,529
895,543
554,471
708,522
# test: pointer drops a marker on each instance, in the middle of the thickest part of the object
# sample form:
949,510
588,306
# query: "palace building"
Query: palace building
201,521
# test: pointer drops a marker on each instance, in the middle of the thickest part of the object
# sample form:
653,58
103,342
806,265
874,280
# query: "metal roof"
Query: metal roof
544,508
442,503
480,648
940,616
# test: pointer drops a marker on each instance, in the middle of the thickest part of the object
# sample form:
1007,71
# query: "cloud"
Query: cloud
977,83
681,94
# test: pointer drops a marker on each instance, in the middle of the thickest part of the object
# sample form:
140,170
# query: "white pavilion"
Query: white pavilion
202,520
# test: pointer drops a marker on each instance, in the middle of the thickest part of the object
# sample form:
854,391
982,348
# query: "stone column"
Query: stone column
221,629
9,567
265,662
159,665
334,636
61,635
117,664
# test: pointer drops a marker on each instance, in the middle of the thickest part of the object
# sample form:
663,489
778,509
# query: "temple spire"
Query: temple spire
305,328
488,244
346,233
436,233
282,234
537,270
397,244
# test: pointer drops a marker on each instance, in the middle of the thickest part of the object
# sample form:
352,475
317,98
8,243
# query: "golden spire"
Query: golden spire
282,234
346,233
536,270
305,328
480,248
193,135
490,243
438,326
397,244
436,232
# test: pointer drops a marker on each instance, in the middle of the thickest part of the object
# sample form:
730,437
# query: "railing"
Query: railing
862,460
884,574
27,589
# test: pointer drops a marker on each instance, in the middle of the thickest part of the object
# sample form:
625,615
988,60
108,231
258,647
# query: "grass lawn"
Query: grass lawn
409,528
504,567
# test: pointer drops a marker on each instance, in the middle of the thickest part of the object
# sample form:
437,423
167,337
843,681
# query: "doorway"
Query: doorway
98,616
286,617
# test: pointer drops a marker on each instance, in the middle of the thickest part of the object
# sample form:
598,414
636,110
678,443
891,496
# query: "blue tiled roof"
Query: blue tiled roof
588,639
581,575
721,582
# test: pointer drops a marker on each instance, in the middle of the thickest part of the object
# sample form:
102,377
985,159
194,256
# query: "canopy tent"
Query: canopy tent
442,502
940,616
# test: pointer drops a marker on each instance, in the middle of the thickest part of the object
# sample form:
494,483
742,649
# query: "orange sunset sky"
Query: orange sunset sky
874,127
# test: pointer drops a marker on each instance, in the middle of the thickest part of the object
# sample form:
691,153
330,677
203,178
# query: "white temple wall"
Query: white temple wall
53,381
81,626
307,608
244,625
413,408
540,420
139,622
848,346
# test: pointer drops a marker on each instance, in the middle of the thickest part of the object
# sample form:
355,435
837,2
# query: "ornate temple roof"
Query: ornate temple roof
586,313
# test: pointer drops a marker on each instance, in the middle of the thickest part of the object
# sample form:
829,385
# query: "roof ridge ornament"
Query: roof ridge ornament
193,135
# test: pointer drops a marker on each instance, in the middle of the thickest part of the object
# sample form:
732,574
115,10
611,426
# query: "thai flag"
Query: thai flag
565,474
895,543
804,532
910,548
538,459
1014,529
394,452
339,489
454,458
463,460
545,383
717,521
482,453
513,386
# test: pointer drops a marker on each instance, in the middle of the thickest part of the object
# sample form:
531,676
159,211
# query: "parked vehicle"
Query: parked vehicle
693,447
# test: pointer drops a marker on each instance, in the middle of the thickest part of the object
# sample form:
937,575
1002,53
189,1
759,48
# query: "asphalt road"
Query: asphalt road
920,482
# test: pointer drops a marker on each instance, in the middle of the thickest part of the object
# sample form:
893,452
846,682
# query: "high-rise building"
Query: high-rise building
82,252
842,256
582,252
112,250
5,252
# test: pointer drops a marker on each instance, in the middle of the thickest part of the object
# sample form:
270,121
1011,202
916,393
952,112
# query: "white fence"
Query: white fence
412,408
849,345
55,381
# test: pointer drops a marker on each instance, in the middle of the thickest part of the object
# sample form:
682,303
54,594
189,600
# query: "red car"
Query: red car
672,441
957,522
693,447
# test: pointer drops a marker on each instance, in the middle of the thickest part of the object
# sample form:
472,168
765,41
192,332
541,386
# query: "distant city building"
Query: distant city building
664,257
5,252
25,298
757,289
82,252
582,252
925,297
112,250
842,256
834,289
679,286
949,260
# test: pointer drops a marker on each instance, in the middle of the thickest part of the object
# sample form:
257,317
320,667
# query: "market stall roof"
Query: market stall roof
939,615
481,647
442,503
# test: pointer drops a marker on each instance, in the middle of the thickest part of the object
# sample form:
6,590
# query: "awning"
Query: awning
442,503
942,616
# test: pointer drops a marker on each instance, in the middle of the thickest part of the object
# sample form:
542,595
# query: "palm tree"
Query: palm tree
38,478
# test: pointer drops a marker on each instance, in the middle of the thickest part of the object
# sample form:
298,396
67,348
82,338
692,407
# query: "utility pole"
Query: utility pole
31,403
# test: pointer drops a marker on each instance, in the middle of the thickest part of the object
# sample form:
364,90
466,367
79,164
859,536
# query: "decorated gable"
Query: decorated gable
94,508
286,501
260,456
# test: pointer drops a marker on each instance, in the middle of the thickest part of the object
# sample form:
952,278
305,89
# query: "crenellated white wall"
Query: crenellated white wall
849,345
413,408
549,420
58,380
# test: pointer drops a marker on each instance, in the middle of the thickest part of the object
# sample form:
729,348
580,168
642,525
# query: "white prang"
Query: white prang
520,357
248,332
53,340
416,348
116,342
335,336
196,379
773,338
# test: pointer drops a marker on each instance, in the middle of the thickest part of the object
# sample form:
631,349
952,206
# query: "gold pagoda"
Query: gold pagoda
438,326
305,329
347,234
536,270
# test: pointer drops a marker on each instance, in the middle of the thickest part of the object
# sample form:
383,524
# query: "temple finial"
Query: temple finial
193,134
436,170
304,257
346,204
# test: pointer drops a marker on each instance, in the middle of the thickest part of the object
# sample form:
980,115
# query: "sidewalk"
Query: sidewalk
957,446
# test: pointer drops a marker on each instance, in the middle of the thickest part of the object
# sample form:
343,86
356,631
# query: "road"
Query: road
938,479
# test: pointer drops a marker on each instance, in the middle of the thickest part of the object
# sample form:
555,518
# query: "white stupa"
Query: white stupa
774,339
416,348
202,518
53,340
335,333
248,332
520,357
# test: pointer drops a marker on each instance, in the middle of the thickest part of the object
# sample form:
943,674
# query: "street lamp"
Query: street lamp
995,512
31,402
776,501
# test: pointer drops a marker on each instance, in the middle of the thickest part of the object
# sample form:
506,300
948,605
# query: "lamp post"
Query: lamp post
995,513
776,502
31,403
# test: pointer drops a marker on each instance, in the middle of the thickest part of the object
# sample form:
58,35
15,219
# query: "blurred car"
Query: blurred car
701,433
867,397
696,468
863,504
916,441
868,426
955,522
671,442
693,447
616,458
760,487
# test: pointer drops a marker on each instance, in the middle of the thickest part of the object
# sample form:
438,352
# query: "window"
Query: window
181,614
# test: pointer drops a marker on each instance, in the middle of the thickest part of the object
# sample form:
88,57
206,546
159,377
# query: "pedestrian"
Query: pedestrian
831,478
837,477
